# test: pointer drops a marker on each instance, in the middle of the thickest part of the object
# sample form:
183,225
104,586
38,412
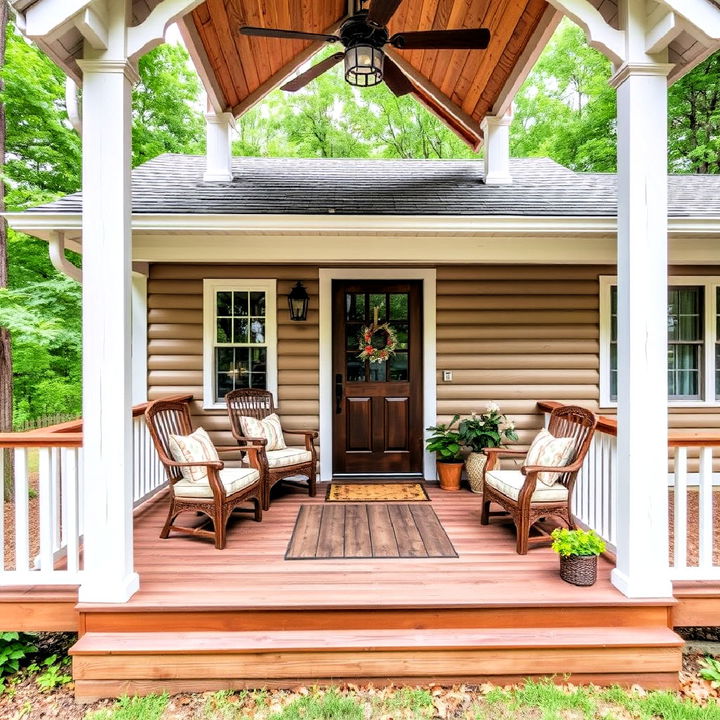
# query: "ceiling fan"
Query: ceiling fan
363,35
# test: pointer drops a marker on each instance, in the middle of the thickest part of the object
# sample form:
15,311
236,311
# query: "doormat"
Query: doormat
376,492
368,531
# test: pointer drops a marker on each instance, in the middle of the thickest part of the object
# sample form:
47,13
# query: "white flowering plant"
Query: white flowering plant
486,430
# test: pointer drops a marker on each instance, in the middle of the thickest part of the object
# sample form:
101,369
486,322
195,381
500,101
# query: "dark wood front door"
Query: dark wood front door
377,406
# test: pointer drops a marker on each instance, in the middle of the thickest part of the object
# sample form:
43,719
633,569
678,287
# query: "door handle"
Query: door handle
338,393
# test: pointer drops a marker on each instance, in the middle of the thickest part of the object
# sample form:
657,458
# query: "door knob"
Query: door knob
338,393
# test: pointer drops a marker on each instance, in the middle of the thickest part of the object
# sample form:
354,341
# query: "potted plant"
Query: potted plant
445,443
488,430
578,551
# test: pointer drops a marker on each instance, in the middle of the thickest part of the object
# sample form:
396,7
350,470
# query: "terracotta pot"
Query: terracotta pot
475,465
449,474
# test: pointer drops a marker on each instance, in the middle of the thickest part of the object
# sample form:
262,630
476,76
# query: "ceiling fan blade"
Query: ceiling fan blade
471,39
395,79
286,34
315,71
381,11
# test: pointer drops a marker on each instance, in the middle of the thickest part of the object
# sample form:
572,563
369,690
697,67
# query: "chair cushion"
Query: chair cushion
286,456
196,447
547,450
269,429
233,479
510,482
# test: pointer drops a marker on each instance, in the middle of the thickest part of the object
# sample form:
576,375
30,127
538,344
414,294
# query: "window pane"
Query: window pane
224,303
257,330
258,360
717,371
613,313
224,385
224,359
399,367
240,330
399,306
224,330
257,303
684,371
240,304
258,380
377,300
355,306
685,313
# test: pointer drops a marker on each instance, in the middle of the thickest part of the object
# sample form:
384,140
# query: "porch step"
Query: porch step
105,664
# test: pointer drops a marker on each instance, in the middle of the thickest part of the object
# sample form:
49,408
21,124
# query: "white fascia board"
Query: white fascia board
42,223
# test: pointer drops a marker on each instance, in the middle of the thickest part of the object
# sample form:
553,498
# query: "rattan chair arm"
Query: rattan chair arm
311,433
498,451
527,469
212,464
239,448
242,440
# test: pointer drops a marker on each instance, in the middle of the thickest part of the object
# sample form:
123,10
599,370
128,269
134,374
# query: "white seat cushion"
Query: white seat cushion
233,479
510,482
547,450
288,456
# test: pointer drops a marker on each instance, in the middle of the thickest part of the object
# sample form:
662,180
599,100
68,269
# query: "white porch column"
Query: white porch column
107,382
219,147
642,501
496,132
139,337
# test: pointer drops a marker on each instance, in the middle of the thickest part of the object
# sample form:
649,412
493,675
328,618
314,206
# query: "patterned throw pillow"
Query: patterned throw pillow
548,451
196,447
269,428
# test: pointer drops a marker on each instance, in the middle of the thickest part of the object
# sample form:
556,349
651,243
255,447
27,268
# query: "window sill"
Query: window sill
215,406
689,404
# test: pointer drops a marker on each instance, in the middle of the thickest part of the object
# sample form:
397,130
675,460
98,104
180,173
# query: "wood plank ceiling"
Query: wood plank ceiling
460,86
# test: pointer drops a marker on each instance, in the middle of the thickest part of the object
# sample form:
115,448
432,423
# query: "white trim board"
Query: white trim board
326,276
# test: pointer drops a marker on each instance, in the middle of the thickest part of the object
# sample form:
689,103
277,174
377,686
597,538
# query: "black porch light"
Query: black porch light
364,65
298,300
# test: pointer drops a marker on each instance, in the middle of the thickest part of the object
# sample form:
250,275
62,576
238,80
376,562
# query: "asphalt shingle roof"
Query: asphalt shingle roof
173,184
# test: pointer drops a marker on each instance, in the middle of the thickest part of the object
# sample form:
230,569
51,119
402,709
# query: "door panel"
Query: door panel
378,406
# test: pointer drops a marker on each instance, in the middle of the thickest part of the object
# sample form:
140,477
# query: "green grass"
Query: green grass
318,705
150,707
406,703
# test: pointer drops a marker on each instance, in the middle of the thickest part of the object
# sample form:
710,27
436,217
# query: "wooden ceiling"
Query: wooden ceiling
461,87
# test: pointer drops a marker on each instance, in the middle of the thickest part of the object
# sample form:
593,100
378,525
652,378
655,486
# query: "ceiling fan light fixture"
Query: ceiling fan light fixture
364,65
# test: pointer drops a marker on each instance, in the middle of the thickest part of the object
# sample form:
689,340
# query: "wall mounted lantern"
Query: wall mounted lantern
298,300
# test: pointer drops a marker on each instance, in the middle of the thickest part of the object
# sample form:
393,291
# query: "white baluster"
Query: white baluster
680,511
706,508
70,503
48,518
22,549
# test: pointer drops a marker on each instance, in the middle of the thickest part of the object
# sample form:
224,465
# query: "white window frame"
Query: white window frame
710,283
210,288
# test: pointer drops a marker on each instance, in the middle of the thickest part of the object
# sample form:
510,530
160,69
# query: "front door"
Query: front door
377,409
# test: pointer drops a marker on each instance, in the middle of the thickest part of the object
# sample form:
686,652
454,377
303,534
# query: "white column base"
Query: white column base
643,586
108,590
217,177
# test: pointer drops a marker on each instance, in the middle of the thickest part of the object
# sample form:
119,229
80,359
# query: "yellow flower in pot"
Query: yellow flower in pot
445,443
578,551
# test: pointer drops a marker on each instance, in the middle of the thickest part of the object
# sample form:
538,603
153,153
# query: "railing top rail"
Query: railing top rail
67,434
676,438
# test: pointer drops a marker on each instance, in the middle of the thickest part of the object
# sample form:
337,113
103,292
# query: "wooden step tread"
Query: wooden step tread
153,643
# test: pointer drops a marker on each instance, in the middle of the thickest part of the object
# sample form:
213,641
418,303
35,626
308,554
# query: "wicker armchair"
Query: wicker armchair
226,488
524,498
276,465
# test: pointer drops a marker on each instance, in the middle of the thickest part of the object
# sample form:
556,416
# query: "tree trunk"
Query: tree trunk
6,376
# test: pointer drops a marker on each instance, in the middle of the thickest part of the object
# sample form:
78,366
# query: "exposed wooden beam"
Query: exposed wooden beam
546,27
147,35
600,34
278,78
665,26
458,115
48,18
701,14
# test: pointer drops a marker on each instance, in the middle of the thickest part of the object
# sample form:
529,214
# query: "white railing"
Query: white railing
694,532
42,542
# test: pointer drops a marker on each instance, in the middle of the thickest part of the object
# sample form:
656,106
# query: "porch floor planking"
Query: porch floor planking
186,572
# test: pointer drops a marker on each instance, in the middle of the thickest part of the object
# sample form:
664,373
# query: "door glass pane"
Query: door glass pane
378,372
355,306
401,330
355,369
399,367
377,300
353,335
399,306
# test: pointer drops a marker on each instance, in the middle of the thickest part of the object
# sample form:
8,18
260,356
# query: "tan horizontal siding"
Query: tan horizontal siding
512,334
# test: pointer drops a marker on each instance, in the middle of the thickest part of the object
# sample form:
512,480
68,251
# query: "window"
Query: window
693,341
240,337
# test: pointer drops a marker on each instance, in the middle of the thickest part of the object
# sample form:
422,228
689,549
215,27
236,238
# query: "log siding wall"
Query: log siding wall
513,334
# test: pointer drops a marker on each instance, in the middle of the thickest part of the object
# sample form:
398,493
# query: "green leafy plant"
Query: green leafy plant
445,442
51,672
487,430
710,670
577,542
14,647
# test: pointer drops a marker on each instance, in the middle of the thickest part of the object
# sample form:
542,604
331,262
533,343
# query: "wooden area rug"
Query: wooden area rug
376,492
368,531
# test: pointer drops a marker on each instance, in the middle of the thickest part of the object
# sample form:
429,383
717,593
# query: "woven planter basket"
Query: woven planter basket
475,466
578,569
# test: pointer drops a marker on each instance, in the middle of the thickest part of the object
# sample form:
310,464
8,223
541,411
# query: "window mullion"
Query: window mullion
710,394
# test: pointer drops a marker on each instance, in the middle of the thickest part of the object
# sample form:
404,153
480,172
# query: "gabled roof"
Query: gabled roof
173,184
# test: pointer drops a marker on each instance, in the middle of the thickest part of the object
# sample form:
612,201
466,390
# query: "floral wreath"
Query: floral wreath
377,354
